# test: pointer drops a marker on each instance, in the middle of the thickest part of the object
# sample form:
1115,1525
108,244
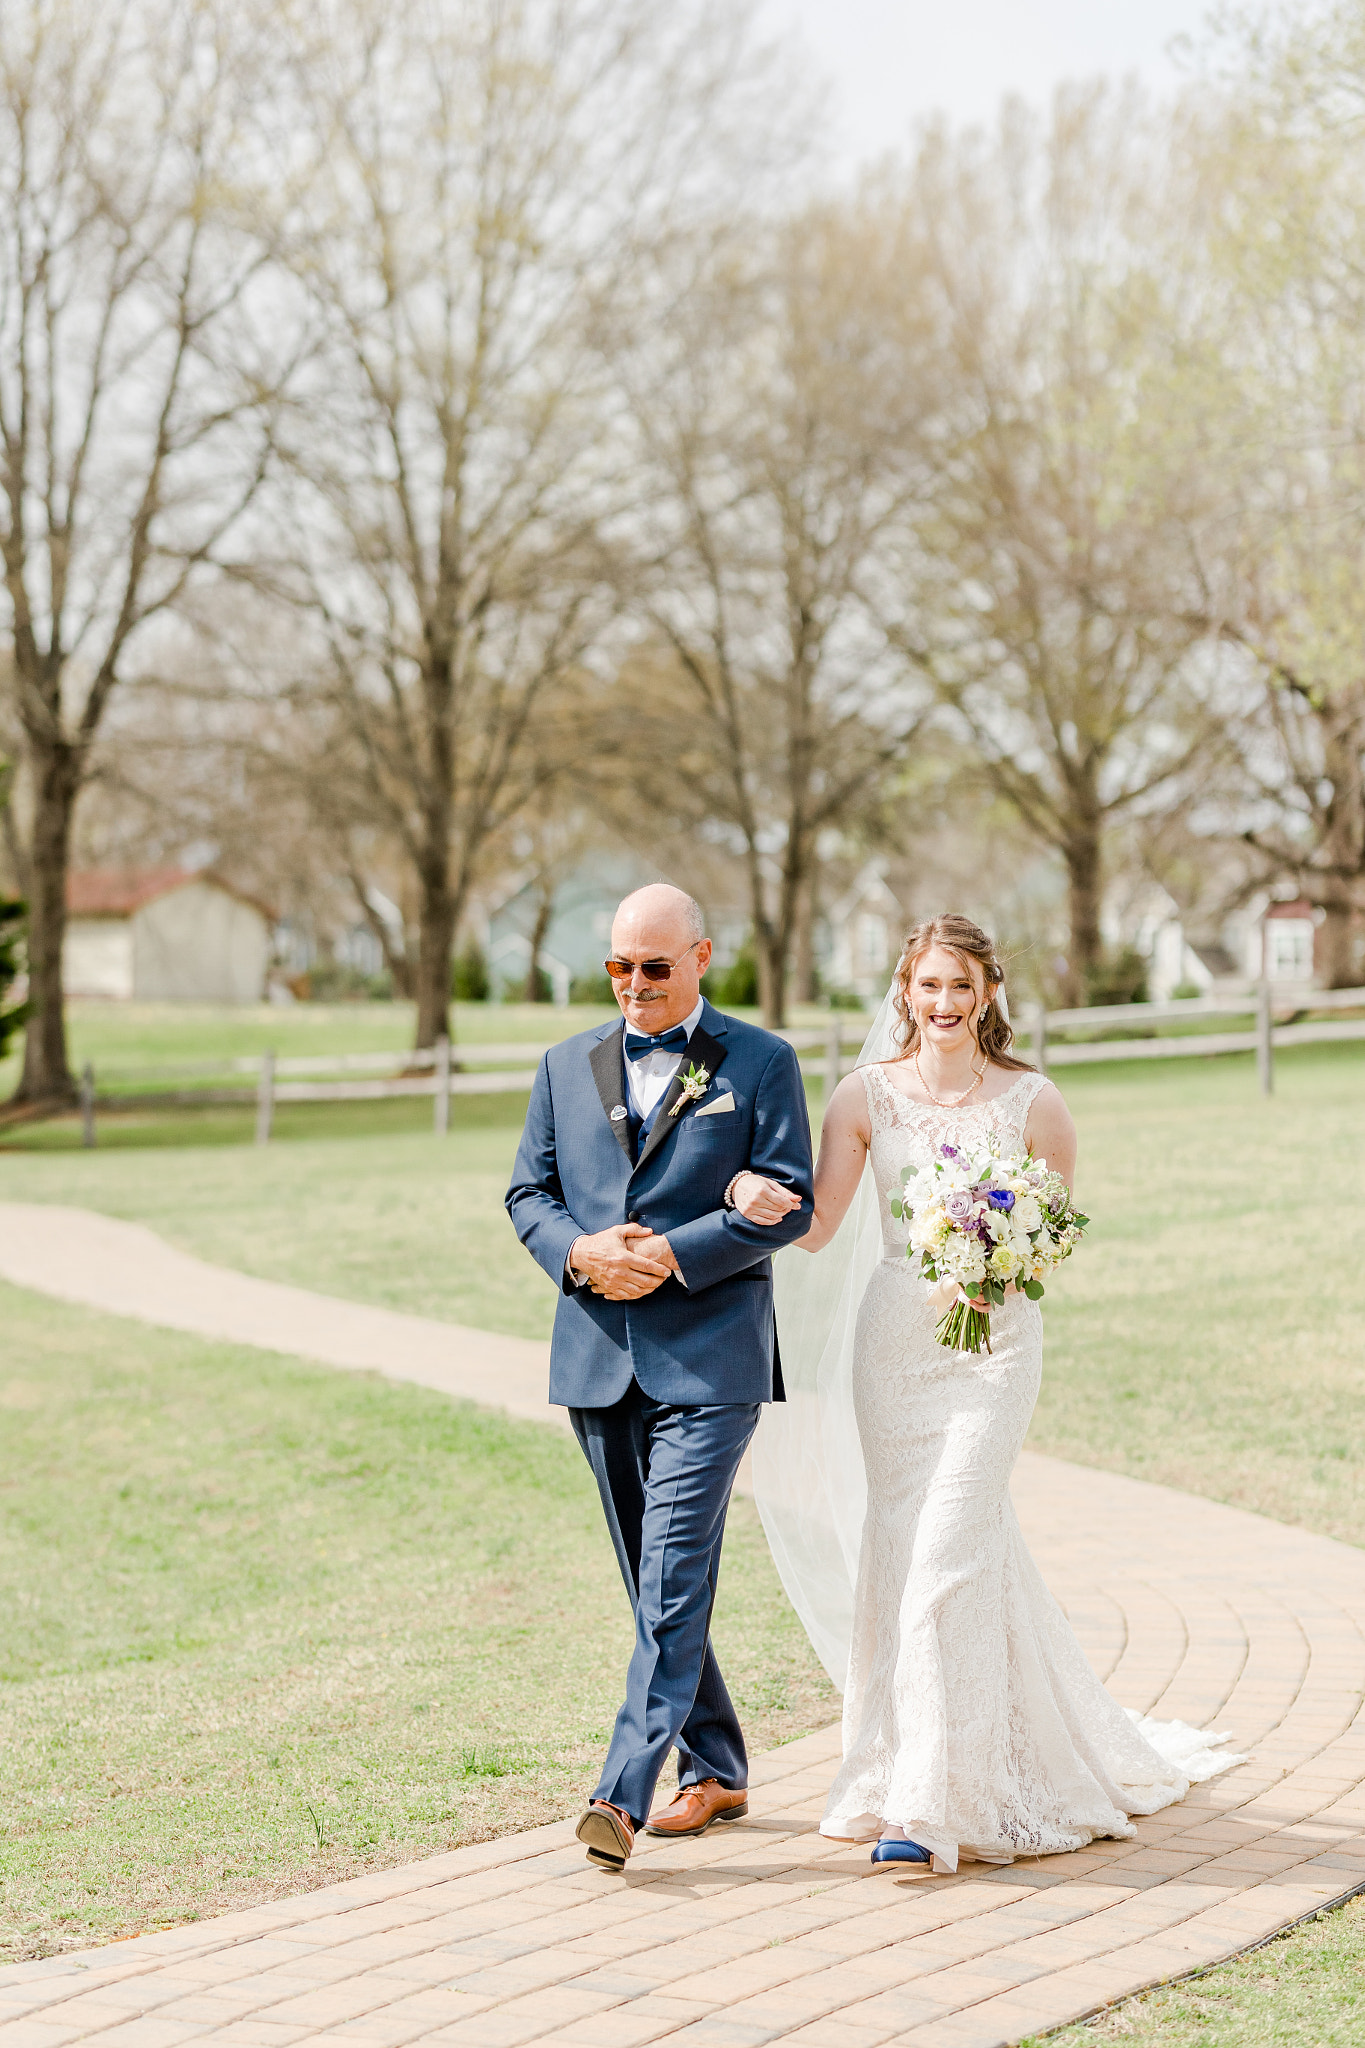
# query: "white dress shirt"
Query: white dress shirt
647,1079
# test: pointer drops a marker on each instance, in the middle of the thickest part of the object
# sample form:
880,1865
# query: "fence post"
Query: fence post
265,1098
88,1107
442,1086
832,1059
1038,1033
1265,1048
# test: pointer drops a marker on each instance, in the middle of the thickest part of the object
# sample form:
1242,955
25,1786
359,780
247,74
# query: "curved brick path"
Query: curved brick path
128,1270
764,1932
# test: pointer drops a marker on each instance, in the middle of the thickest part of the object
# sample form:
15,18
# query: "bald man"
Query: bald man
664,1345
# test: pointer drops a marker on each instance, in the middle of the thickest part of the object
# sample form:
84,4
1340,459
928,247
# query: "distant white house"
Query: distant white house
1277,937
863,932
164,935
577,937
359,946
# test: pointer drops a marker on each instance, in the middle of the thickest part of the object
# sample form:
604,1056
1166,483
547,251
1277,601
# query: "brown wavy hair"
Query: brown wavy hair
957,934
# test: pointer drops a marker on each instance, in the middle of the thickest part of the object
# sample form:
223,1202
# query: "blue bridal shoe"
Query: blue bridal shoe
888,1850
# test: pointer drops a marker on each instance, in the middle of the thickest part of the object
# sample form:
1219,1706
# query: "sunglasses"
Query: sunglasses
652,970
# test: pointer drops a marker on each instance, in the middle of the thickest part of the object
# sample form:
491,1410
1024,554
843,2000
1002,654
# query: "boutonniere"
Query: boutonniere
696,1081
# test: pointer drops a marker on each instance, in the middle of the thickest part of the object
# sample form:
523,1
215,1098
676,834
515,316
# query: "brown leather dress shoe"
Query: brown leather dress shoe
608,1834
694,1809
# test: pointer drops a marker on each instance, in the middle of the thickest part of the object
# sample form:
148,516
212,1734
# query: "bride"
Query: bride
973,1726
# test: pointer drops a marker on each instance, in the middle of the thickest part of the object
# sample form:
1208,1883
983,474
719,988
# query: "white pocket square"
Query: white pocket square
721,1103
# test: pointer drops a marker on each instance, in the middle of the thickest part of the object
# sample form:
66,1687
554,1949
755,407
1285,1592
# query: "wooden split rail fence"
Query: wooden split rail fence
1130,1033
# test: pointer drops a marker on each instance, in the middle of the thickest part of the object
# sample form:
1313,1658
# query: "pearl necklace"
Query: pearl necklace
959,1100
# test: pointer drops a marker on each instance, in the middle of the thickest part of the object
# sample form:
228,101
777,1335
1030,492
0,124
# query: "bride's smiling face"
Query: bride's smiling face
945,999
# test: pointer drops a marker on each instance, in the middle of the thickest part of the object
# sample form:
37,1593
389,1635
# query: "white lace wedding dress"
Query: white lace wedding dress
971,1717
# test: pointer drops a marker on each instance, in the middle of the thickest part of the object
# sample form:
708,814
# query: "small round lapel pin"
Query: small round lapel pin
618,1112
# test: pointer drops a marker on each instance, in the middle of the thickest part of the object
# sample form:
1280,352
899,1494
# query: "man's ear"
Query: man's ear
703,956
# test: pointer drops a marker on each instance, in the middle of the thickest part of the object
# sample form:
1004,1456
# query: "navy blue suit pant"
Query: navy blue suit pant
665,1474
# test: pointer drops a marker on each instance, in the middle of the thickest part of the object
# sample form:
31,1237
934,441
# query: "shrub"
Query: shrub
469,981
591,988
1120,977
843,999
736,986
329,981
1185,991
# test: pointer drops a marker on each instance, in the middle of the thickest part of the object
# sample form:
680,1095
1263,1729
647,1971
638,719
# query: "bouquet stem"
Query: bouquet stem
964,1328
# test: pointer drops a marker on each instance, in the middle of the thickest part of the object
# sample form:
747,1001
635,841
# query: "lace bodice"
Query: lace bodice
909,1133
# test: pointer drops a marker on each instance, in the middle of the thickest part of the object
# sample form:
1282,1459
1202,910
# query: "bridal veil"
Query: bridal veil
809,1479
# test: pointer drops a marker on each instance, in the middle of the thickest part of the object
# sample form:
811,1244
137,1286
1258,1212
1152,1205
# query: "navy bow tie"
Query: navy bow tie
639,1046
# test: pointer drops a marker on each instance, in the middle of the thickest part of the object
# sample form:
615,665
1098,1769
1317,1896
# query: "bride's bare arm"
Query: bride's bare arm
844,1138
1050,1134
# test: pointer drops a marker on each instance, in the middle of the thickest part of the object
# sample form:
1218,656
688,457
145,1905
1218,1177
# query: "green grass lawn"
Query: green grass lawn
1209,1336
268,1624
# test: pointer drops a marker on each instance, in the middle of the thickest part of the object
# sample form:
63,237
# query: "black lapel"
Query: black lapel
702,1051
608,1063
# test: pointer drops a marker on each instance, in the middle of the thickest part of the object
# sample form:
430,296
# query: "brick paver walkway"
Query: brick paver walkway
762,1932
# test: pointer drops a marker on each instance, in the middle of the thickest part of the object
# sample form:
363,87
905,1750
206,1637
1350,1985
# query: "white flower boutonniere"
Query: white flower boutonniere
696,1081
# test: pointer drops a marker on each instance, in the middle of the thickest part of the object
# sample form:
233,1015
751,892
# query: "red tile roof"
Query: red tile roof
118,892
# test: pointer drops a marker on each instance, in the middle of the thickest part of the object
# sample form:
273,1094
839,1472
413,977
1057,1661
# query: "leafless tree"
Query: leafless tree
781,422
482,180
1285,163
1047,589
135,387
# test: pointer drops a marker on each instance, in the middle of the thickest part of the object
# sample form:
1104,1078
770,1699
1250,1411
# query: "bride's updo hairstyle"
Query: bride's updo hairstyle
967,940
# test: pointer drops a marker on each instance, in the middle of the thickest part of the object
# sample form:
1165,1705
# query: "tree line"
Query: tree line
452,420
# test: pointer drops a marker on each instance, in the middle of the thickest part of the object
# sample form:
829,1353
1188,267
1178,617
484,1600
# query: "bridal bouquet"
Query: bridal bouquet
980,1221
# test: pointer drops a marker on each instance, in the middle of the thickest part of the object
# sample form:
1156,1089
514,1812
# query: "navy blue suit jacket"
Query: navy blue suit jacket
712,1340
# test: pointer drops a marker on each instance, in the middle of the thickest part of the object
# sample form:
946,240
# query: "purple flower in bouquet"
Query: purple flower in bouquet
948,1151
1001,1198
958,1205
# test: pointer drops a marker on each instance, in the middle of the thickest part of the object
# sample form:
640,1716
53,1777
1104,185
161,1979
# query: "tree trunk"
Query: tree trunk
439,911
1084,882
47,1073
544,912
803,951
1334,946
771,956
435,959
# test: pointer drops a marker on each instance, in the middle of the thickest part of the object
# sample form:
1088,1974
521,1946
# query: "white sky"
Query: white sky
891,60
